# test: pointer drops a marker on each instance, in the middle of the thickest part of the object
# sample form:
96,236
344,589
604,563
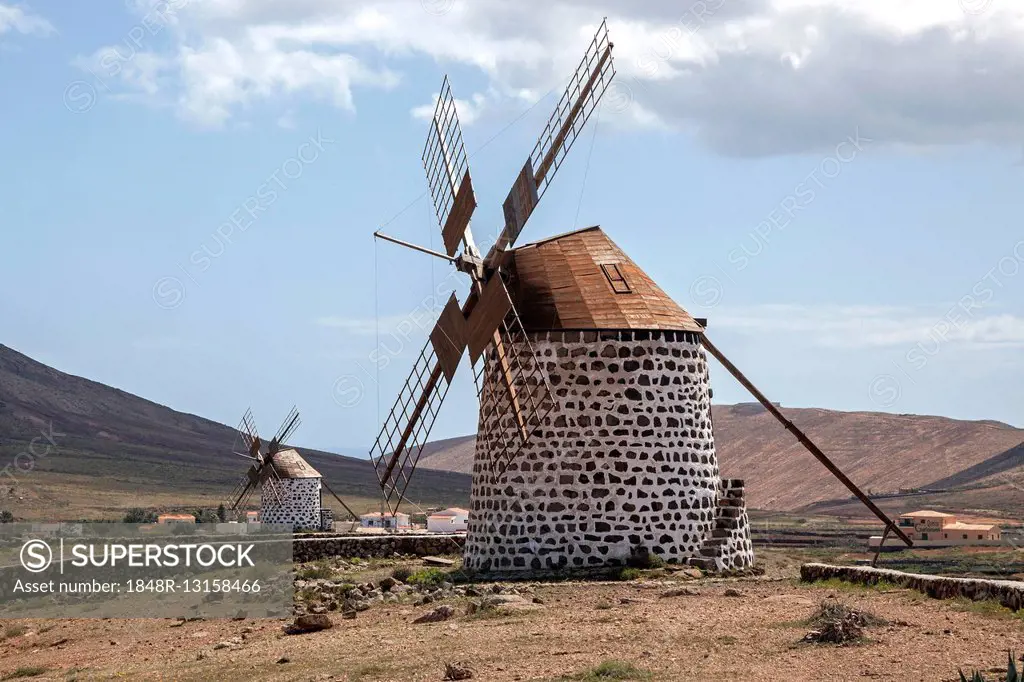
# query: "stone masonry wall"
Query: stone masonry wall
313,547
299,503
625,463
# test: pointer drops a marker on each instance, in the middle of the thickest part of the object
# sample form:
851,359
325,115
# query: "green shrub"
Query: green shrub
630,574
641,558
138,515
320,569
12,631
612,670
427,576
401,573
27,671
1012,675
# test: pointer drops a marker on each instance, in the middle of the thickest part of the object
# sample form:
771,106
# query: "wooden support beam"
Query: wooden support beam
885,535
340,501
506,373
805,441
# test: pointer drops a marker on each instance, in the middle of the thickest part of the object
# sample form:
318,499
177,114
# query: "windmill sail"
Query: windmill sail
447,167
580,99
400,442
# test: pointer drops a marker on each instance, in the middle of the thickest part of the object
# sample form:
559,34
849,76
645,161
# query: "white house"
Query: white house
451,520
400,521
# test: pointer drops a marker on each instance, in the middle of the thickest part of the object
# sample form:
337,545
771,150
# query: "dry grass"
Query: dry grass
705,636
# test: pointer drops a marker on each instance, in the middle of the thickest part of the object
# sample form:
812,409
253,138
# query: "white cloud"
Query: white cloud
14,18
878,326
468,110
746,77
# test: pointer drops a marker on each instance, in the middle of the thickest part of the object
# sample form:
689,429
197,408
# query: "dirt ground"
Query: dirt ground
709,635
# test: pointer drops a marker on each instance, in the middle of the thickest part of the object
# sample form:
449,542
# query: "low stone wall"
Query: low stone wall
1009,593
313,547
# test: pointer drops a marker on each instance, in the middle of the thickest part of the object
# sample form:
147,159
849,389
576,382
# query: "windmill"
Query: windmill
260,473
290,487
595,439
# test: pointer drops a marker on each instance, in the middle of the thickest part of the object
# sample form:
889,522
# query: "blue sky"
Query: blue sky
190,190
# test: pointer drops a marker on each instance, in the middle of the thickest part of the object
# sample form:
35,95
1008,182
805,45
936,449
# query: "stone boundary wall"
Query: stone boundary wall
1009,593
312,547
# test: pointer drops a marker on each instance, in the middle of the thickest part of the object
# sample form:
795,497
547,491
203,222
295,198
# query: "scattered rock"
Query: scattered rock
790,599
221,645
387,583
201,655
680,592
284,659
309,623
457,671
733,592
437,561
443,612
538,600
494,600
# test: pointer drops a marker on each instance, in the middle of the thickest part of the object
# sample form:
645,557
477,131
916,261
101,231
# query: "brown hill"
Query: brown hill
880,452
114,450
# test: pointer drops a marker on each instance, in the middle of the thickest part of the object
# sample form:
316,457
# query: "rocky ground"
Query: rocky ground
399,620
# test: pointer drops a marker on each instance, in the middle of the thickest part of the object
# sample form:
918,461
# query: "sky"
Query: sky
190,187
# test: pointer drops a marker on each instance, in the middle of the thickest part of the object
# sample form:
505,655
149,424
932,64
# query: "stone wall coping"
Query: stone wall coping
1010,593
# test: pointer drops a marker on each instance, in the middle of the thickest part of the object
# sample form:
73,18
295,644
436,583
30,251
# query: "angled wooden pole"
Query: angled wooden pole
340,501
805,441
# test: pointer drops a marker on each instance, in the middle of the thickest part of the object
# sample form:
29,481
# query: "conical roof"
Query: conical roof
583,280
290,464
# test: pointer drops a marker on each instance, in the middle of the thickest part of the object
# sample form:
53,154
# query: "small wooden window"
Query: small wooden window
616,278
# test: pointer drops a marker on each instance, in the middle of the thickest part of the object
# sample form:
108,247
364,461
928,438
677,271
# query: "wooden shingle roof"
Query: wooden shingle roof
290,464
582,280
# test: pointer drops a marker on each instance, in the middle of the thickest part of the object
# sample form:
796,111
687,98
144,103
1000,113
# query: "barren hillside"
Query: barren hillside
114,450
880,452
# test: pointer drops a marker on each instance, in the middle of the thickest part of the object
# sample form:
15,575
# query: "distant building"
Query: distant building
252,517
451,520
399,521
937,529
175,518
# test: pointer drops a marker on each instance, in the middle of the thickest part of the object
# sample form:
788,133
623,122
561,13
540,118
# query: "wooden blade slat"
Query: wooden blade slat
449,337
487,316
457,223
